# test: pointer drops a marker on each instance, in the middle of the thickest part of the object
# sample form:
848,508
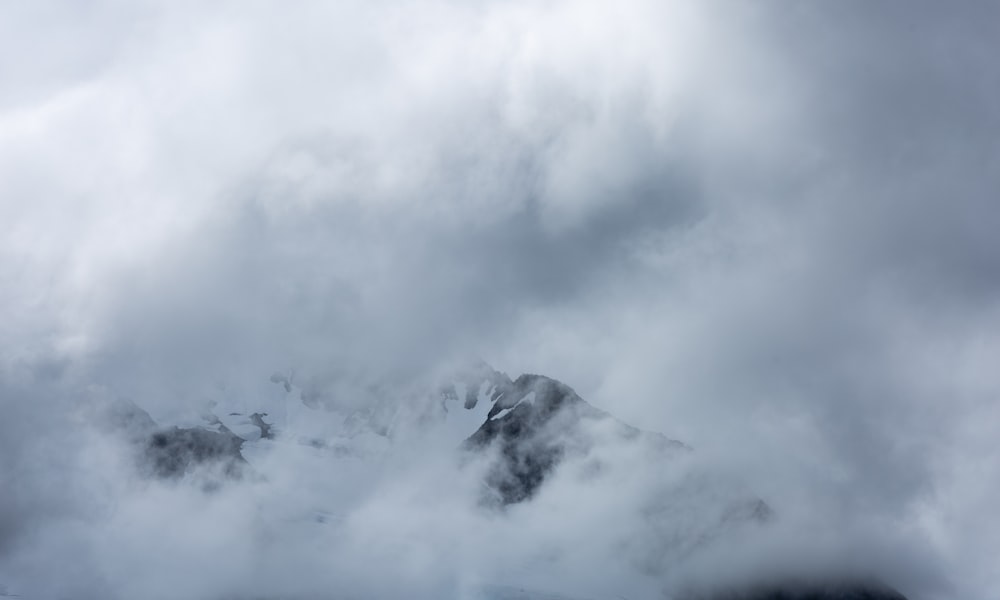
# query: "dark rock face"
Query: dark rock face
265,428
536,421
172,452
529,441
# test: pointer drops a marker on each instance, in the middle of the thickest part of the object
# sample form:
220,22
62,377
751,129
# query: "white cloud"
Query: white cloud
765,231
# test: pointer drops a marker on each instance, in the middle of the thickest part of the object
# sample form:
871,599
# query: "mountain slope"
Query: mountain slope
536,421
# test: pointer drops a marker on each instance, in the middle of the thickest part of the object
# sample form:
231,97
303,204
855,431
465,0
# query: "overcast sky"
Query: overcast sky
766,229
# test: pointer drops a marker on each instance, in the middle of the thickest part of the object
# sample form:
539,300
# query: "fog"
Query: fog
763,229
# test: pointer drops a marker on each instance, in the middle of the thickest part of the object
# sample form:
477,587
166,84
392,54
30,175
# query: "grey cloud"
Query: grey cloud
766,230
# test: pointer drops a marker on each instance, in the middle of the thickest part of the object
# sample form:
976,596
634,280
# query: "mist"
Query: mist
765,230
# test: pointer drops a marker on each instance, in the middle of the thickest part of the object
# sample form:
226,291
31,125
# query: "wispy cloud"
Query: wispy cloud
764,230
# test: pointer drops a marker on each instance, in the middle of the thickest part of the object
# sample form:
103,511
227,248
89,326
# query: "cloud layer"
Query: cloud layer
765,230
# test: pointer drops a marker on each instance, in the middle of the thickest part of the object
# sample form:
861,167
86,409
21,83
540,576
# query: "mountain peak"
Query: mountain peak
536,421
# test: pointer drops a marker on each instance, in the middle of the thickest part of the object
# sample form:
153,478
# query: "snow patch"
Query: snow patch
528,398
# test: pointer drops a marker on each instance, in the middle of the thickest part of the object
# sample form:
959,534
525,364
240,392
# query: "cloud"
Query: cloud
763,230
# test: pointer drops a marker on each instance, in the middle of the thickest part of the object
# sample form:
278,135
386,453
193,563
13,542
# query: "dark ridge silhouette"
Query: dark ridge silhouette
859,589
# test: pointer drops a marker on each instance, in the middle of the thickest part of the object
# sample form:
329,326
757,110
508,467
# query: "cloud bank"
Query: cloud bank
765,230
